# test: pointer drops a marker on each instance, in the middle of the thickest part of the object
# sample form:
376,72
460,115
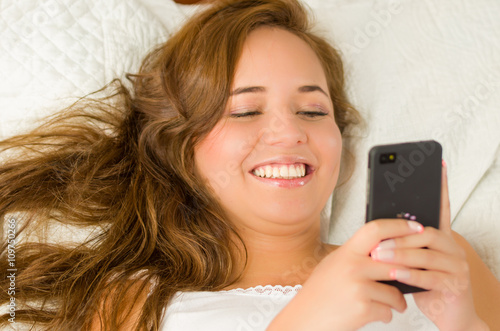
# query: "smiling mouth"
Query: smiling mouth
283,171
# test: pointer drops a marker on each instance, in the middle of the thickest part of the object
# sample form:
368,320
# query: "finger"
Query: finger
378,312
418,258
373,270
373,232
387,295
444,217
431,280
430,238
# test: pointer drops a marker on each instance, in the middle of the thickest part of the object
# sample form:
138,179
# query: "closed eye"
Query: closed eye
245,114
312,114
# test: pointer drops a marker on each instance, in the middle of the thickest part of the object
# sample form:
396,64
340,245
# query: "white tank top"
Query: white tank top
254,308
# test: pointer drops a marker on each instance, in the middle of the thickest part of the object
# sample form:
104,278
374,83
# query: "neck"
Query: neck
280,260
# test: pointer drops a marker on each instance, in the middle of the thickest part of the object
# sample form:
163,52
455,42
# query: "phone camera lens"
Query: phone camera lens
388,158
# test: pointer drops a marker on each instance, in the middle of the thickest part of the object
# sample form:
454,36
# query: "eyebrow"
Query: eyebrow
260,89
249,89
311,88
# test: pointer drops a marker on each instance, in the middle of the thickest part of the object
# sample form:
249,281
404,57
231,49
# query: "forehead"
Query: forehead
270,54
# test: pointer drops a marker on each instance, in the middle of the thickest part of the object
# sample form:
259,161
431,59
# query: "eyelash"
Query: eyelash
245,114
312,114
309,114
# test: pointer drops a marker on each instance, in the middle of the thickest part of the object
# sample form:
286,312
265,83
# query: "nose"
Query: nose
284,130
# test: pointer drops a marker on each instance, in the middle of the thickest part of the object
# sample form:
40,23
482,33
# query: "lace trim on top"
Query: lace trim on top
267,290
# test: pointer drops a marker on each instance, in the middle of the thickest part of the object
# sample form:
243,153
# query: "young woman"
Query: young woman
206,182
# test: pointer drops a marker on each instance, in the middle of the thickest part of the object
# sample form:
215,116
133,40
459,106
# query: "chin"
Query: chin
293,217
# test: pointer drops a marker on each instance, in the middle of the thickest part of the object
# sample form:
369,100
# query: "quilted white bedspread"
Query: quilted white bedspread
416,70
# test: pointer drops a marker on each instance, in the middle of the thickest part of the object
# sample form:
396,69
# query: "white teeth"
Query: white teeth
268,171
283,171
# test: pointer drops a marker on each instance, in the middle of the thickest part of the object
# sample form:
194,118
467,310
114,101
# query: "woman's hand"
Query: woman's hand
448,303
342,293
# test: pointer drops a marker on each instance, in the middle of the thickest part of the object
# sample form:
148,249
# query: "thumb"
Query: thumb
444,217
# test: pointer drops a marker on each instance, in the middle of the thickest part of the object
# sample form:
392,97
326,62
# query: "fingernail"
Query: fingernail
386,244
382,254
415,226
398,274
444,163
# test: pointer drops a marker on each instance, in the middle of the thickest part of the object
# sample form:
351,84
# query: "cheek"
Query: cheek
336,144
220,155
331,142
206,154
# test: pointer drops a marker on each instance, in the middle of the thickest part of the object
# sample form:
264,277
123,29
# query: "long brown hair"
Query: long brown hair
123,165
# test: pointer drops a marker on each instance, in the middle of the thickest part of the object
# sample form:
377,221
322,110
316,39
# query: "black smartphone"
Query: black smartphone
405,179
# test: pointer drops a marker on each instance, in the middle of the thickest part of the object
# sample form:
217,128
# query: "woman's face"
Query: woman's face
273,159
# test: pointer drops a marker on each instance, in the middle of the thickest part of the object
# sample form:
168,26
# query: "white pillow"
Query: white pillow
417,70
53,50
